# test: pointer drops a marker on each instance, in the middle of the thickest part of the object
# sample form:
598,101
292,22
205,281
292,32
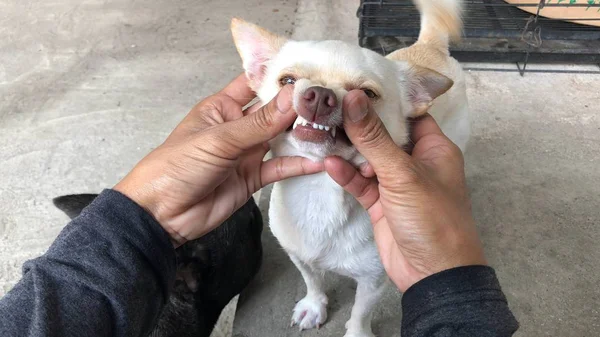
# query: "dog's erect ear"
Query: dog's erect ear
425,85
73,204
257,47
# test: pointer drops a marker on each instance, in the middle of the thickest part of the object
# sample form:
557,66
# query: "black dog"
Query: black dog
210,271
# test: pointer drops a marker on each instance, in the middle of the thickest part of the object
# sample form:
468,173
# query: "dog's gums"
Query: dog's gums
301,121
306,131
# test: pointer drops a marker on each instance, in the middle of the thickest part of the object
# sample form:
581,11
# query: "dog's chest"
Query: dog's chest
314,219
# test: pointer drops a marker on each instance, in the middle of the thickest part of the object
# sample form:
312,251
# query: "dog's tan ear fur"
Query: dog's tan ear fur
256,46
425,85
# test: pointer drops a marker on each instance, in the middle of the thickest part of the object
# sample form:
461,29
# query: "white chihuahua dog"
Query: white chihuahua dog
320,226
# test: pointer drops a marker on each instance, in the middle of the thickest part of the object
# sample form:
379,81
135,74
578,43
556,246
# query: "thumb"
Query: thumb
260,126
368,134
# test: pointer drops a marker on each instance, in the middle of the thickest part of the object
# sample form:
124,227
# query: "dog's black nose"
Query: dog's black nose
319,101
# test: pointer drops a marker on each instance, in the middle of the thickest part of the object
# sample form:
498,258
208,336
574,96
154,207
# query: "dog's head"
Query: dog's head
322,73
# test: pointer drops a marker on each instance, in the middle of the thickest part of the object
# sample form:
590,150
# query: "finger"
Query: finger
367,132
253,108
263,125
239,91
366,170
364,190
281,168
224,106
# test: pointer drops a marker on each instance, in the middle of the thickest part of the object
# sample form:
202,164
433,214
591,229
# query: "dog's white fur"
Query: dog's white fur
320,226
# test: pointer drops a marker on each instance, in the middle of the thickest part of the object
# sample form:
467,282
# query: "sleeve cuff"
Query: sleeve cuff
473,283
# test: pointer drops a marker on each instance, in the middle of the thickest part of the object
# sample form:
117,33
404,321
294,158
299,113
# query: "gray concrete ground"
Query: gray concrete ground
88,87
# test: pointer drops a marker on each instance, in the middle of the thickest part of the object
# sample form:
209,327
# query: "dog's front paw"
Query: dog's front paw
354,330
359,334
310,312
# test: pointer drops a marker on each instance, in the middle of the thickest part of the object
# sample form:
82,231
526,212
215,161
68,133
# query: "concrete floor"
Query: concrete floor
88,87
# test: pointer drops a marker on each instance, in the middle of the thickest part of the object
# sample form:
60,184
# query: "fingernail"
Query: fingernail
358,109
284,99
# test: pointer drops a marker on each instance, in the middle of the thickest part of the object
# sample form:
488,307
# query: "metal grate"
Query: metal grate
494,31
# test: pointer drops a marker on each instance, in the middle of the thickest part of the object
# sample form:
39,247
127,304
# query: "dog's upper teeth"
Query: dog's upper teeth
300,121
304,122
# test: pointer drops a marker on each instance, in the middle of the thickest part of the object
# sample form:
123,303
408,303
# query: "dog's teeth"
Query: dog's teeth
321,127
327,128
295,126
315,126
333,131
304,123
298,121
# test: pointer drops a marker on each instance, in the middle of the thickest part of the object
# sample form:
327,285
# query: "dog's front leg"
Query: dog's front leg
368,293
311,311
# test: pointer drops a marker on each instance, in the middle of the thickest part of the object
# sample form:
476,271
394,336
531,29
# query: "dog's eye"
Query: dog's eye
370,93
287,80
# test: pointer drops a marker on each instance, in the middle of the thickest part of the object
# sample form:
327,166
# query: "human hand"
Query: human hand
418,203
212,163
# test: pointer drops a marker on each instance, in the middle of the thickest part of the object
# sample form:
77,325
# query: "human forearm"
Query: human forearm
107,274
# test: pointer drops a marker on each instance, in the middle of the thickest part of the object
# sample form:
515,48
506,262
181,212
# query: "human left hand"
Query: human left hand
212,163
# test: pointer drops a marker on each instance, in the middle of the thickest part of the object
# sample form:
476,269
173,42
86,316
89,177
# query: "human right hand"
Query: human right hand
212,163
418,203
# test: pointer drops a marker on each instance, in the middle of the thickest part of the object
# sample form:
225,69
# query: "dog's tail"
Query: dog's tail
441,21
73,204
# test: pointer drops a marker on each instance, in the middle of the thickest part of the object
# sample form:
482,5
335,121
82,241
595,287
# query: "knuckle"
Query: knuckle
263,119
455,152
280,169
210,105
302,167
451,152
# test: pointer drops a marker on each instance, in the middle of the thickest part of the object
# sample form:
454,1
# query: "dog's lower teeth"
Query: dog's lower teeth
333,131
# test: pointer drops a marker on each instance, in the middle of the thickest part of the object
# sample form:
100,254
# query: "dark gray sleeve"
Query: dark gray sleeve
107,274
464,301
